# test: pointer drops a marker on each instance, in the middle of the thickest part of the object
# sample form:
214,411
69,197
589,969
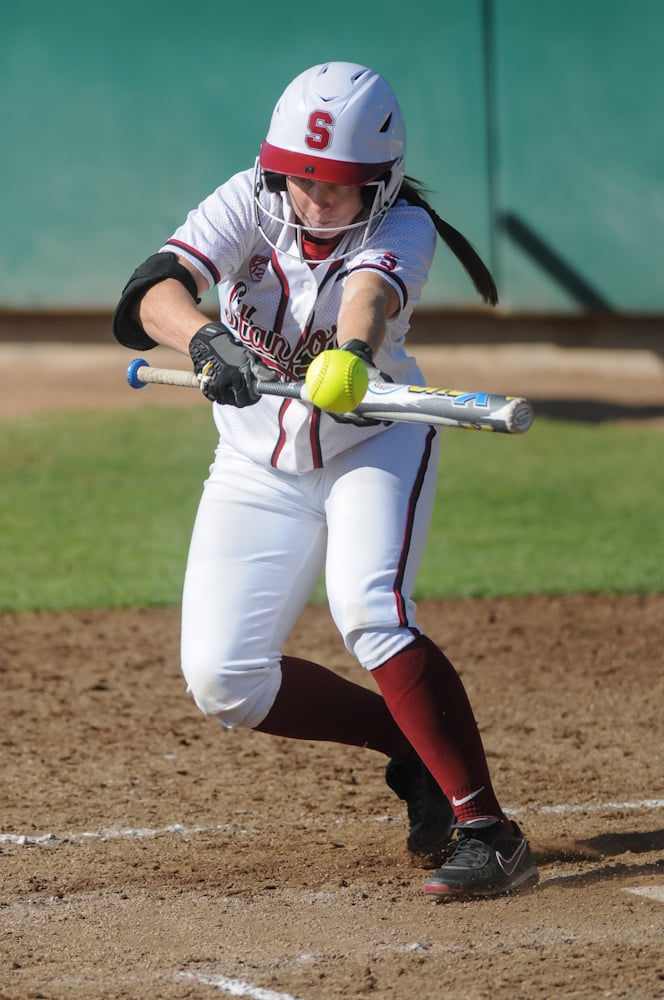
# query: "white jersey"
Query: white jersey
285,311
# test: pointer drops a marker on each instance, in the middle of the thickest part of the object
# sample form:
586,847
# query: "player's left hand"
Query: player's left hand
361,349
226,370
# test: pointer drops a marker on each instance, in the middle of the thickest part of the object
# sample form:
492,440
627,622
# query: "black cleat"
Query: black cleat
487,861
430,814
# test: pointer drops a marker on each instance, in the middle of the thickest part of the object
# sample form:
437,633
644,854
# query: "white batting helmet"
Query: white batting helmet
339,123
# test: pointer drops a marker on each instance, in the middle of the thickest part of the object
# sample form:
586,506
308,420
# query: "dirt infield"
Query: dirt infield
147,853
581,383
154,855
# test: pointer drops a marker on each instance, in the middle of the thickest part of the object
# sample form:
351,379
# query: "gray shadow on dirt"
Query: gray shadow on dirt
607,873
600,849
619,843
591,411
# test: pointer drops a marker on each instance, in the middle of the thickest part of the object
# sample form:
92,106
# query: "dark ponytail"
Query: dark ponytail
413,192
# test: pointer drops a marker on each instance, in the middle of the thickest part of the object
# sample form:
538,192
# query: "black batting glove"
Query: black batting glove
223,366
361,350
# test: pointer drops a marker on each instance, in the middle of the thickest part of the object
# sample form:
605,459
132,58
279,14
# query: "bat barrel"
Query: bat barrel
448,407
521,417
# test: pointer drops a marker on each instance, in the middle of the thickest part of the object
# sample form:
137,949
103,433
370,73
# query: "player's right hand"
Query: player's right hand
226,370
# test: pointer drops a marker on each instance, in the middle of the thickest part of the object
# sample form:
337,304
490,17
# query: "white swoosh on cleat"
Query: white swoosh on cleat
509,865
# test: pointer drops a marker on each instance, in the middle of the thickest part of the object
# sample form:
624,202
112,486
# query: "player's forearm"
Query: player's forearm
170,316
367,303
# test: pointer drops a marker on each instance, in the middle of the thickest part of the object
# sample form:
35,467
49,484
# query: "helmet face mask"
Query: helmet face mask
375,209
337,123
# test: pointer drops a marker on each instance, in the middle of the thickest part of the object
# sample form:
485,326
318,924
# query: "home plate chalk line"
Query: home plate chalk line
182,829
655,892
235,987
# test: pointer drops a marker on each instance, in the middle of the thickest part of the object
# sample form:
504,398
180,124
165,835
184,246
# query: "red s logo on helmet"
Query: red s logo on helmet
319,137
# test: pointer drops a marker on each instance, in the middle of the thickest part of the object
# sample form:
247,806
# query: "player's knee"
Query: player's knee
238,694
373,646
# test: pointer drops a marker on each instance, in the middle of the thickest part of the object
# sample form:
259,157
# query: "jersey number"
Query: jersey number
319,135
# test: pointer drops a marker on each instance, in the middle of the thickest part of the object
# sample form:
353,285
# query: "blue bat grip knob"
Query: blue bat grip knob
132,373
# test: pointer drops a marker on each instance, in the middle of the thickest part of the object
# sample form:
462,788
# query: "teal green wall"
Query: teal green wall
580,148
116,121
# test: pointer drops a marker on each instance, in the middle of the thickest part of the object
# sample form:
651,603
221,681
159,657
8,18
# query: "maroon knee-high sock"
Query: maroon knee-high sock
316,704
428,700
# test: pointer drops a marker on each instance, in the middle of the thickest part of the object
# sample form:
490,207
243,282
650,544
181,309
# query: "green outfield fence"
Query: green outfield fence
533,122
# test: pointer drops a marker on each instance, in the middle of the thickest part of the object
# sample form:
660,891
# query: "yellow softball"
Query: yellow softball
336,381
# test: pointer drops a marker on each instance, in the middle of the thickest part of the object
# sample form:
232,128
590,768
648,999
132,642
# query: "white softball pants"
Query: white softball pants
260,542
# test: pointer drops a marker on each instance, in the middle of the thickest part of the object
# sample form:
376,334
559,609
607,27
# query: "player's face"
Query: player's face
324,209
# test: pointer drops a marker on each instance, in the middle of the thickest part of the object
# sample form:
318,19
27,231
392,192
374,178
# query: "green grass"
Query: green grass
96,509
565,508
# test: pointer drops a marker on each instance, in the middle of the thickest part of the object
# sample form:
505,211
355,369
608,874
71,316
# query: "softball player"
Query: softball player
324,244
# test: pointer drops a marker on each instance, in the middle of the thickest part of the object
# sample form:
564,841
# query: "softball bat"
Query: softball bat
482,411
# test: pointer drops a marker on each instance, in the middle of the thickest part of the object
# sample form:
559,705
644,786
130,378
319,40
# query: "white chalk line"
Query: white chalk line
234,987
577,807
655,892
133,833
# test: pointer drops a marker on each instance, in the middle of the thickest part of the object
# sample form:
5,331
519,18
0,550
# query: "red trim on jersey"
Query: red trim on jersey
408,532
314,438
205,261
285,293
314,424
334,267
319,168
281,440
304,336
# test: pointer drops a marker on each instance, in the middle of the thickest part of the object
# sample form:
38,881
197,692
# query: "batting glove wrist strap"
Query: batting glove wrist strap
361,350
223,366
